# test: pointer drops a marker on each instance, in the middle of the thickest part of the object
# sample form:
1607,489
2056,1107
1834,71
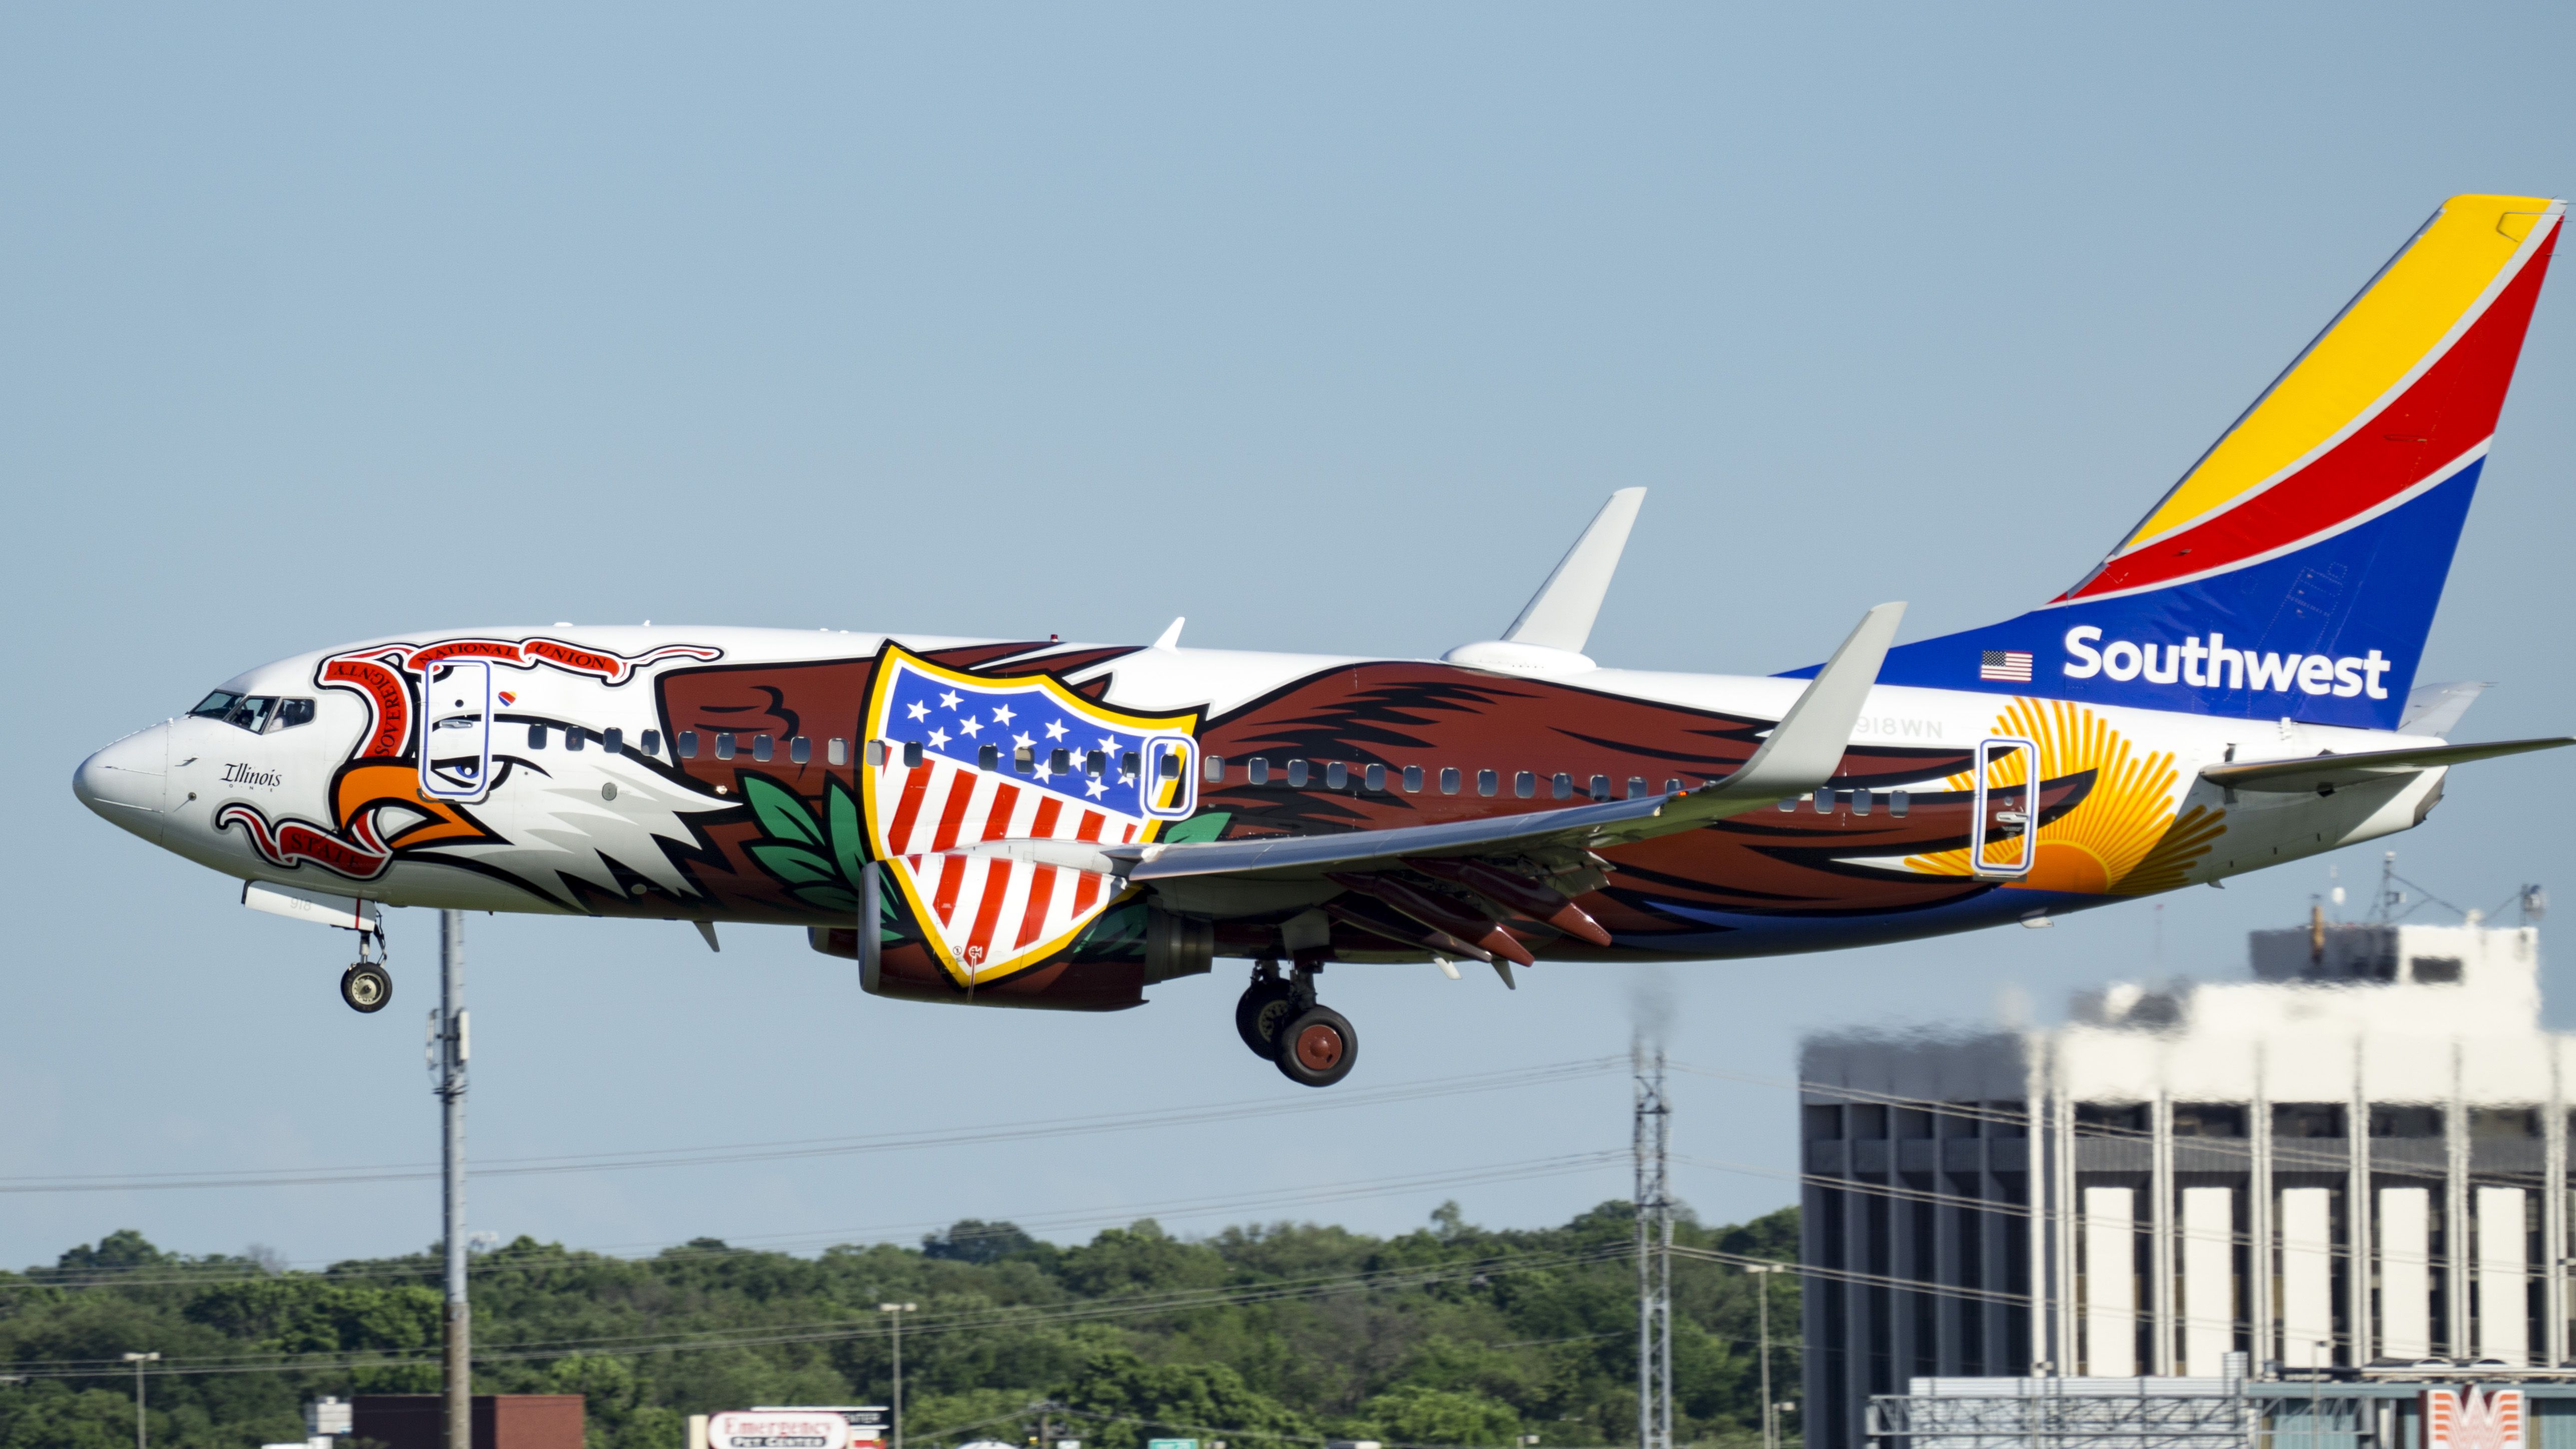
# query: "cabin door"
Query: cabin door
456,740
2004,832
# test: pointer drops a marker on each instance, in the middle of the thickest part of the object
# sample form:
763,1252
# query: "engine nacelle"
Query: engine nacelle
1174,946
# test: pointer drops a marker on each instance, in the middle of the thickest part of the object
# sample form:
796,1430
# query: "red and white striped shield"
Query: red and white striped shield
968,761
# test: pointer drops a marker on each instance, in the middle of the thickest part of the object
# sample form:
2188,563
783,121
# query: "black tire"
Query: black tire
366,987
1318,1048
1264,1008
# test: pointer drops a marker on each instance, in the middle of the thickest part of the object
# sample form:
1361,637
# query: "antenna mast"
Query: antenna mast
1654,1253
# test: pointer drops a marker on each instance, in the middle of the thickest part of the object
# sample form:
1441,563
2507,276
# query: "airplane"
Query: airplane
1036,823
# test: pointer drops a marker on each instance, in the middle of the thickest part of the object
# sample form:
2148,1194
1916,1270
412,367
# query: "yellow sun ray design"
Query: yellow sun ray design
2123,837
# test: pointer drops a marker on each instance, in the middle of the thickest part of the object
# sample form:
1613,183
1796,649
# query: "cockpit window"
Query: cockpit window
217,704
256,713
292,712
252,713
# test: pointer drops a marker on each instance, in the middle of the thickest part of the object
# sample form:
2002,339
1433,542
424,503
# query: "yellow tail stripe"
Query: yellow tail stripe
2378,340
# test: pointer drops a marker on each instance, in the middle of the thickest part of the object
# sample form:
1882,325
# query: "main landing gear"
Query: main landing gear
1313,1046
367,985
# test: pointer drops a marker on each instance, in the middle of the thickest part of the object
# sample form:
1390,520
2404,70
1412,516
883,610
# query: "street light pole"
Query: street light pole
451,1048
898,1310
139,1360
1762,1293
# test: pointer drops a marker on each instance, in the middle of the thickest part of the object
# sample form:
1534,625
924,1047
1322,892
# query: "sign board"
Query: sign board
326,1416
2468,1418
867,1421
779,1429
1171,1444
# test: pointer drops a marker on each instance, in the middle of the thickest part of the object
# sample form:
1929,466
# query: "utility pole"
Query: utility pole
898,1310
1762,1275
449,1044
1654,1254
139,1360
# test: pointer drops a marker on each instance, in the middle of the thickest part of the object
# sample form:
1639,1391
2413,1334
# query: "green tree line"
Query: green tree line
1266,1337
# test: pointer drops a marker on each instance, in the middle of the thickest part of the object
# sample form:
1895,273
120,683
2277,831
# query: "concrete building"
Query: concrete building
2357,1157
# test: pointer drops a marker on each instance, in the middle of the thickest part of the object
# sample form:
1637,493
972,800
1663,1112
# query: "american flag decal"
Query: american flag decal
2005,664
984,915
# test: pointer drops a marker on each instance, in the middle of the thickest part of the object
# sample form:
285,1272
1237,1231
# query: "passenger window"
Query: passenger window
1374,777
724,744
761,748
293,712
688,744
652,742
613,741
1059,760
1524,784
1133,763
1094,763
1636,787
536,737
1174,763
1562,787
1600,787
1413,779
876,754
1824,800
1213,769
572,739
1256,771
1487,782
1789,804
1449,780
1860,802
1896,803
1025,759
799,750
1296,774
989,758
1337,776
215,706
836,751
912,754
1672,787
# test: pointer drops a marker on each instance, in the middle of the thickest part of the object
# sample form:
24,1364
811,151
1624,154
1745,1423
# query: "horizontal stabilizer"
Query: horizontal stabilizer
2435,709
2324,774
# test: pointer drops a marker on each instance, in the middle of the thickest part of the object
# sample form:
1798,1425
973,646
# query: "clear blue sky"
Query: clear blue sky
1327,327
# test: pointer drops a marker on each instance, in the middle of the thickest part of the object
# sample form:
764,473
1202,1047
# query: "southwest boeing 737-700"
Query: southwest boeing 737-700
1024,823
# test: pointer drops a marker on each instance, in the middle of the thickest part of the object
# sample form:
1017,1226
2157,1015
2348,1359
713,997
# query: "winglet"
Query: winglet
1171,637
1808,744
1560,614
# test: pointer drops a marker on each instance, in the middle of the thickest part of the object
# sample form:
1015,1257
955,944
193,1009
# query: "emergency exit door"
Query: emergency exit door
2003,834
456,734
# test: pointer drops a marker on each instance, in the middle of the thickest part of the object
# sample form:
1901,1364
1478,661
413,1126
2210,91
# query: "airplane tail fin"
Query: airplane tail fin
2294,571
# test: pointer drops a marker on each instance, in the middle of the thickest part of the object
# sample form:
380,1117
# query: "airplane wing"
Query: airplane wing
1800,755
2324,774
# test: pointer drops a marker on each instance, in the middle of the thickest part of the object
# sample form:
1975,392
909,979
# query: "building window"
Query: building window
1913,1124
2435,970
2110,1119
1960,1119
1868,1123
2208,1119
2406,1122
2307,1119
2007,1119
1820,1123
2494,1122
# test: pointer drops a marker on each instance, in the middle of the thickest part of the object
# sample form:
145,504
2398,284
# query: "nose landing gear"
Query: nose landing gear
366,986
1312,1045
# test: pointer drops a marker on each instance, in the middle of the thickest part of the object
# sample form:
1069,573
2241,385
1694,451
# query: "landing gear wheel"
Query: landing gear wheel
1318,1048
366,987
1264,1008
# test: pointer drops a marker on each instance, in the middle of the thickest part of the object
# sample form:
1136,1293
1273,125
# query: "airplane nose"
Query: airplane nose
125,782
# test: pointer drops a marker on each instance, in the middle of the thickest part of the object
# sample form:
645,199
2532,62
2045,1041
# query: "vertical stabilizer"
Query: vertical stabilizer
2293,572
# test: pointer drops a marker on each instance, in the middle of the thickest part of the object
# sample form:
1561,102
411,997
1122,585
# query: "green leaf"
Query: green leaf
848,829
1208,826
793,864
782,816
